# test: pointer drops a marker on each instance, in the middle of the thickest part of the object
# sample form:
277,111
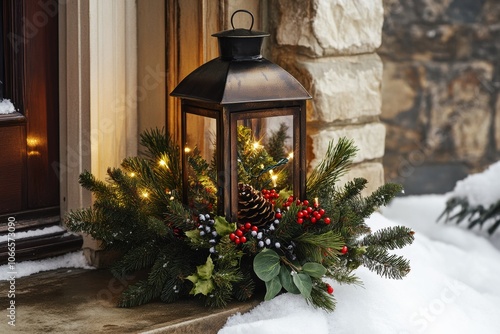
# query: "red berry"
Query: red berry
329,289
255,228
278,215
322,211
316,215
327,220
297,202
273,202
306,202
248,226
239,233
237,241
232,236
300,221
243,239
290,199
344,249
309,209
242,227
313,220
300,214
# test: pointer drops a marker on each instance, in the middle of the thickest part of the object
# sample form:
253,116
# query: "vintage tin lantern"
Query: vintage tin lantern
240,88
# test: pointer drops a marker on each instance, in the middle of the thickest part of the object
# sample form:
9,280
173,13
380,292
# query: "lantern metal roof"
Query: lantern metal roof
240,74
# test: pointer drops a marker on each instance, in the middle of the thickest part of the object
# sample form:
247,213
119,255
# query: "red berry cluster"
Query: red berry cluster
238,236
270,195
313,214
329,288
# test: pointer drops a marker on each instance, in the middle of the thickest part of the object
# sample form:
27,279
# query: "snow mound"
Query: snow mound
481,188
6,107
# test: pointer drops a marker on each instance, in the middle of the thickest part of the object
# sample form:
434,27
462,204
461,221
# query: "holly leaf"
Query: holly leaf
287,280
202,286
314,269
223,227
193,278
273,287
193,235
205,270
266,265
303,283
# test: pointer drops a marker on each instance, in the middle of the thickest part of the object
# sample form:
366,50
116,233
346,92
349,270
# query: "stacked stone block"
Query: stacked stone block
330,46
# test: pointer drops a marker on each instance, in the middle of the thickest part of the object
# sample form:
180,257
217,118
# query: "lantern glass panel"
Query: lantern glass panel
265,149
203,141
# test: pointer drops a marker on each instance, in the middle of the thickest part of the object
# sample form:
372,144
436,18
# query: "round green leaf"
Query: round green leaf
273,287
303,283
314,269
266,265
287,281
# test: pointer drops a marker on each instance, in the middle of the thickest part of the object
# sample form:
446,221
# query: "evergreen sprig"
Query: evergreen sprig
335,164
458,209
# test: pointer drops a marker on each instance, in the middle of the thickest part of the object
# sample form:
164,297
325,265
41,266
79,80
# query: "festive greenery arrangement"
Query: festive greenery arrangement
458,209
279,243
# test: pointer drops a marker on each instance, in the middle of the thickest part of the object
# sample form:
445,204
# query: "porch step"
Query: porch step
84,301
35,244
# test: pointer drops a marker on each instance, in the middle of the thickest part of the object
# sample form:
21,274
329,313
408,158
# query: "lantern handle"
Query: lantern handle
244,11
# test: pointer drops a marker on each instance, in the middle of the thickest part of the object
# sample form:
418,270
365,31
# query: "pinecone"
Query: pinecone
253,207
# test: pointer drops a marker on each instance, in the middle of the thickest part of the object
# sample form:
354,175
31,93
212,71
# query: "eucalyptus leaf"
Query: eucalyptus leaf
273,287
287,280
266,265
303,283
314,269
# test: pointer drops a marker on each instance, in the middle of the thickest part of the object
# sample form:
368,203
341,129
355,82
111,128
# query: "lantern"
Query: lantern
239,88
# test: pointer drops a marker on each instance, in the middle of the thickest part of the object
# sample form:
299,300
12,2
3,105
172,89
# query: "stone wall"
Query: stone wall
329,45
441,85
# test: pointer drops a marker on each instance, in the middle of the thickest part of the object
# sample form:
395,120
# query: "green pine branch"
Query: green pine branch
335,164
389,238
384,264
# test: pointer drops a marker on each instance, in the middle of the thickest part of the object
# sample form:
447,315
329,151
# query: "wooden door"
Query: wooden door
29,138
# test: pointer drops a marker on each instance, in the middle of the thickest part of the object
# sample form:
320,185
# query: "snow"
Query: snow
453,286
481,188
6,107
33,233
26,268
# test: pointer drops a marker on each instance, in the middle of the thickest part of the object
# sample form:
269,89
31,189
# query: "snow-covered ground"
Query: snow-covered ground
454,286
